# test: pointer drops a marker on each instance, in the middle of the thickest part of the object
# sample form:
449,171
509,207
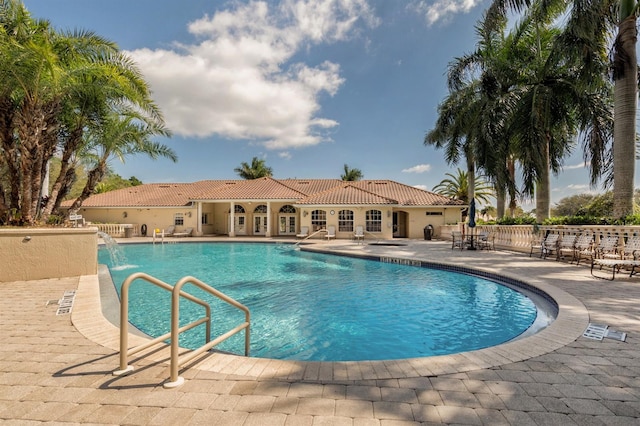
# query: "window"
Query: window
178,219
260,209
374,221
434,213
345,221
205,219
288,209
318,220
238,209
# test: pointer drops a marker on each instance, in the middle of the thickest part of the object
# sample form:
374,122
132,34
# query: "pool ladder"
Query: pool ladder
176,293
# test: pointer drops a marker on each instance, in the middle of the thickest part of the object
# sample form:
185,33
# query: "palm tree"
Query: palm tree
351,174
625,67
457,187
255,170
590,27
55,87
526,105
119,137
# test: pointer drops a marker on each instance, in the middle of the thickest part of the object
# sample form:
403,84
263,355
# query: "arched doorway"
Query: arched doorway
240,219
260,220
287,220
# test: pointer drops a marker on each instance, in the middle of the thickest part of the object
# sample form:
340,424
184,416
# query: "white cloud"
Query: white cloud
423,187
420,168
578,187
576,166
285,154
237,82
441,10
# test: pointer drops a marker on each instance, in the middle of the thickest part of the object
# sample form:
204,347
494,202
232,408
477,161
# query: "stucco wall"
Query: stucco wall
160,218
38,253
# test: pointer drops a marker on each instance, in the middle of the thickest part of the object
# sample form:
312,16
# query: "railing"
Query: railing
520,237
309,236
176,293
117,229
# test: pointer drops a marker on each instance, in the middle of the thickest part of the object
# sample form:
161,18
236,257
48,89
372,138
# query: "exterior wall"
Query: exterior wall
218,219
154,218
33,254
359,218
415,218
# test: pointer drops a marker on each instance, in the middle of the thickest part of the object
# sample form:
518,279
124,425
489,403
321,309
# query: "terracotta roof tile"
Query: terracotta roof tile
346,194
303,191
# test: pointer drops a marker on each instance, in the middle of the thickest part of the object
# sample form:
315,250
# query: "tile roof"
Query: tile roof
299,191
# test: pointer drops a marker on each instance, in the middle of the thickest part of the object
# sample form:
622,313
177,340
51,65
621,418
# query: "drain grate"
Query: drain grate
595,331
600,331
66,303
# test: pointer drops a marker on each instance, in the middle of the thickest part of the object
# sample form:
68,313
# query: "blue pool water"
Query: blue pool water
310,306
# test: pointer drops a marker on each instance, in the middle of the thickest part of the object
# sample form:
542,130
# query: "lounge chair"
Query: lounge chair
359,234
615,265
607,246
583,247
630,251
186,233
331,232
626,257
304,232
546,246
457,240
169,231
566,247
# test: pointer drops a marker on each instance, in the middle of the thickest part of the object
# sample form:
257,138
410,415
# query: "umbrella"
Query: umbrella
472,213
472,220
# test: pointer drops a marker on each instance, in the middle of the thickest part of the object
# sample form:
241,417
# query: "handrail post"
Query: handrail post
175,380
124,326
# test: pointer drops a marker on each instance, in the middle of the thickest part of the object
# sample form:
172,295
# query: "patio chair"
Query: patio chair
359,234
169,231
626,257
608,247
546,246
566,247
331,232
583,248
304,232
457,240
485,240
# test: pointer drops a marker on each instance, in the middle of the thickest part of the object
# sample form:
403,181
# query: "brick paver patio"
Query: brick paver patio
56,370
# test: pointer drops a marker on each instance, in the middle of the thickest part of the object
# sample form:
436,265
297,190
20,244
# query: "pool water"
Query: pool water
310,306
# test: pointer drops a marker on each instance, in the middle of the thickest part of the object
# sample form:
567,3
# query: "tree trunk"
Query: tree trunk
513,202
501,198
70,148
543,189
93,178
624,128
471,178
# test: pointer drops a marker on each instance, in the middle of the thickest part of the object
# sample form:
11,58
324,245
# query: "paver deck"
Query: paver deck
57,368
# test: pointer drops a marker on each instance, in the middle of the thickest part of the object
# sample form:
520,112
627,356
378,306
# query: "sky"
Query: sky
306,85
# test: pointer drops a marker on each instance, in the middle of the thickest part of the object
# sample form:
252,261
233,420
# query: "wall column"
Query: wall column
232,219
267,232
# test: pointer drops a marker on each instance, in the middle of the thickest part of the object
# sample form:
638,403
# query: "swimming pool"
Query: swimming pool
310,306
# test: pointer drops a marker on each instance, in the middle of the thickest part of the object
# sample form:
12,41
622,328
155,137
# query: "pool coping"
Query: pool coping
571,321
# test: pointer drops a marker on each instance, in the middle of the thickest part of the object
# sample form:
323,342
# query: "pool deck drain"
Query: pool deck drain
53,370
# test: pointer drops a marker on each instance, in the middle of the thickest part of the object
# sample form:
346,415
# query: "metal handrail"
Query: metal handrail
176,294
311,235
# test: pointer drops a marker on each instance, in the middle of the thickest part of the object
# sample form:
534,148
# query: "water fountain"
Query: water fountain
115,253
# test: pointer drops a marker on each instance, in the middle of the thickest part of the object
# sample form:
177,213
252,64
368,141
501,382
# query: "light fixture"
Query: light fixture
305,213
124,214
188,214
388,213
